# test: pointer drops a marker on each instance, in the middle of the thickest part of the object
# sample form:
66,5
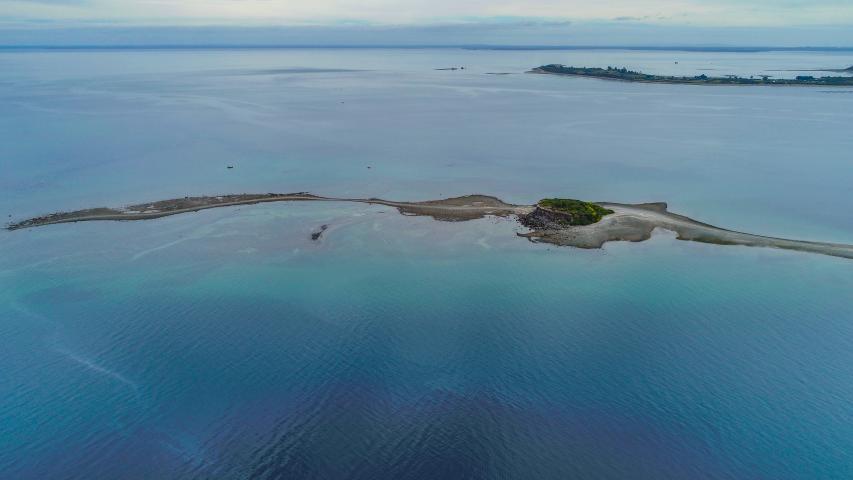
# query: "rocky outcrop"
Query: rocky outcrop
542,218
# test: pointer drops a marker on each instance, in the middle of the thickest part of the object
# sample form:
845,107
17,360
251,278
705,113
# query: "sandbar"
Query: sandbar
627,222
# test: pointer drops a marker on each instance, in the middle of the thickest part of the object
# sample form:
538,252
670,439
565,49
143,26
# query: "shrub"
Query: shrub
581,213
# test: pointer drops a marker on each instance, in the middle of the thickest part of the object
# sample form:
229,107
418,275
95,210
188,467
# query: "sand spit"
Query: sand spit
633,223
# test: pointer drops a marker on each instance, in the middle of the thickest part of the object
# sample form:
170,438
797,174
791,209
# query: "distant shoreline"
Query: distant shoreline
646,48
620,222
625,75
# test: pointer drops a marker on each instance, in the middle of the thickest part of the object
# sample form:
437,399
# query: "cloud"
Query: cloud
482,32
52,2
412,12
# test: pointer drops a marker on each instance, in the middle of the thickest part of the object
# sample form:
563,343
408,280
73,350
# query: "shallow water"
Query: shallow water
108,128
228,344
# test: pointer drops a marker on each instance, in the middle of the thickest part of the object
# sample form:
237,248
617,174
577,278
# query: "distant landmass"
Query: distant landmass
623,74
197,43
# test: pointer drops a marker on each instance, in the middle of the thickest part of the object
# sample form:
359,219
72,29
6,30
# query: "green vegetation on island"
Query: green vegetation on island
559,221
612,73
578,212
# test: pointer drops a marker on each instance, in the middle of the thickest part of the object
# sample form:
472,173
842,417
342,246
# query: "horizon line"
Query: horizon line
227,46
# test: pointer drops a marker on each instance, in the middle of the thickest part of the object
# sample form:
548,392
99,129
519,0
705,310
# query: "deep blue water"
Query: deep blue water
228,344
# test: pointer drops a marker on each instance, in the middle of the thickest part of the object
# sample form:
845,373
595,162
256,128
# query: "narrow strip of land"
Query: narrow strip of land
558,221
452,209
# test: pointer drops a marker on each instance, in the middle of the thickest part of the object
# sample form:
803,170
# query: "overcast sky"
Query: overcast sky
800,22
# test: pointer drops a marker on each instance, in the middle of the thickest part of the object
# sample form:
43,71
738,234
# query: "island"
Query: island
565,212
625,75
558,221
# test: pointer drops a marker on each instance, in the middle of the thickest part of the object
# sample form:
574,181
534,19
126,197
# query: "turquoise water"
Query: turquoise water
228,344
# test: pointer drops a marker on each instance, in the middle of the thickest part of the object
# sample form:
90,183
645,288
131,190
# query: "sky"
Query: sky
521,22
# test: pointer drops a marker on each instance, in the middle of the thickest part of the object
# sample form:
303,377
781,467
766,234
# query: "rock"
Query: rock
545,219
316,235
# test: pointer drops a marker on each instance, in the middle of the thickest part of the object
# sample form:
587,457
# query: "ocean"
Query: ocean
229,344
